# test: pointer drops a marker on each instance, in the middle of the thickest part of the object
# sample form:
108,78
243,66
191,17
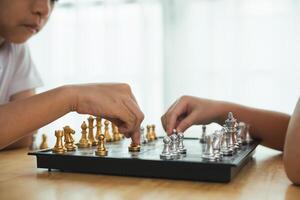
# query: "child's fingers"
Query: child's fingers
137,113
172,116
187,122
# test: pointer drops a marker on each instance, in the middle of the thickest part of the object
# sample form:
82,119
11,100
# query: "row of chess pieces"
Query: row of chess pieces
225,142
99,138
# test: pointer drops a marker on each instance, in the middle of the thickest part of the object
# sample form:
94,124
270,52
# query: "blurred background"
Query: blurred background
235,50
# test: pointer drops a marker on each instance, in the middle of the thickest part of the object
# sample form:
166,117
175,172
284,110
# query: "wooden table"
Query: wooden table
262,178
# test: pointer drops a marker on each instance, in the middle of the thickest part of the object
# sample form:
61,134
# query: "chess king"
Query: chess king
19,21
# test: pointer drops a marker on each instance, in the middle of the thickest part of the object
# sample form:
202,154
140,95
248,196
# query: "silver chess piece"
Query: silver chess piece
231,124
181,147
248,139
208,153
216,143
143,139
226,149
203,134
166,154
174,146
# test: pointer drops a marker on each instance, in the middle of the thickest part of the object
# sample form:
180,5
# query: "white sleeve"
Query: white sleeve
25,76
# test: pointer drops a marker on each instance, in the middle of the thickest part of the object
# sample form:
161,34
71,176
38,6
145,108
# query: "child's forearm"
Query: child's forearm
268,126
292,148
22,117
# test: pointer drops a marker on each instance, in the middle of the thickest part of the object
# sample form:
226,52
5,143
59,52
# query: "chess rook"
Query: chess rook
59,148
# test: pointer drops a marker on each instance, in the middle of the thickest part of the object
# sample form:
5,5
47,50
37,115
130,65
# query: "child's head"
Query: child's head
20,19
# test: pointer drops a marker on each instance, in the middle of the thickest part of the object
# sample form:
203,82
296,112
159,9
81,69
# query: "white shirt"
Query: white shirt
17,71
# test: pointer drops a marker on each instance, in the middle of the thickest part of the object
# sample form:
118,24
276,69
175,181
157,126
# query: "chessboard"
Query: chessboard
214,156
147,162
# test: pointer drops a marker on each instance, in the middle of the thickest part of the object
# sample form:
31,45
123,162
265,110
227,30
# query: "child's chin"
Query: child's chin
20,40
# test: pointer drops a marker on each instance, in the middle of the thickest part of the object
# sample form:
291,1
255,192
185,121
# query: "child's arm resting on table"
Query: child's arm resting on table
114,102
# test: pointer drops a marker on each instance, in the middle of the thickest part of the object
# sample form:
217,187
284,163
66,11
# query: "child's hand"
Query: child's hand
188,111
114,102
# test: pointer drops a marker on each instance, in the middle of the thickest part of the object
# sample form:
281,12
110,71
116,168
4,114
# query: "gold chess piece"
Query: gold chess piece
59,148
153,132
69,141
150,137
99,127
101,150
84,142
91,137
134,147
44,144
107,136
115,131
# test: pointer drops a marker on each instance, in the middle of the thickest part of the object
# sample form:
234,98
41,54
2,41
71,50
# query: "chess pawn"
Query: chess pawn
59,148
101,149
153,133
115,131
174,146
33,145
44,144
181,147
91,131
107,136
203,135
148,135
166,153
134,147
99,127
150,132
209,152
248,139
143,139
216,143
84,142
69,141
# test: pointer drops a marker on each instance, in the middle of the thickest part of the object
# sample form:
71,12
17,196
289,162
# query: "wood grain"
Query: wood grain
262,178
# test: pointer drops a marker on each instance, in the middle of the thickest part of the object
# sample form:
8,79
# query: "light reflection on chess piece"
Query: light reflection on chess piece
101,149
44,144
115,131
59,148
69,141
91,131
84,142
107,136
99,127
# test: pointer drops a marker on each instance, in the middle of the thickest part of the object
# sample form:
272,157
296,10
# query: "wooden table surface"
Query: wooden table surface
262,178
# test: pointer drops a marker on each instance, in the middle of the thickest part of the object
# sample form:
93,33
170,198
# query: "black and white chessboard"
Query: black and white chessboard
147,162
